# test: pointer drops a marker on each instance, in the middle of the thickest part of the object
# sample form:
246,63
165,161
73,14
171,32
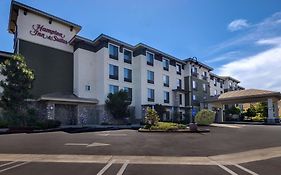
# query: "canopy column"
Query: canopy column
270,118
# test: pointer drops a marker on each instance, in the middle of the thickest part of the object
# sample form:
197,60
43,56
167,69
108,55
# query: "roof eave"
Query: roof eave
39,12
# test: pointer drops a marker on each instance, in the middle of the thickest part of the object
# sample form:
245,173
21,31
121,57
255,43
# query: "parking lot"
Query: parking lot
235,149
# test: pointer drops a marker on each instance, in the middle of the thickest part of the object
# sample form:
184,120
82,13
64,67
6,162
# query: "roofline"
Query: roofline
229,77
125,44
6,54
199,63
94,101
215,75
273,94
113,39
163,53
24,6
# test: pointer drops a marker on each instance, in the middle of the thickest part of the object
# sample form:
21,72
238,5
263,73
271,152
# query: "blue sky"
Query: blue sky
238,38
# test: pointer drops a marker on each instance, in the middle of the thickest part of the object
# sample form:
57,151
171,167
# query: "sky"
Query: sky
240,38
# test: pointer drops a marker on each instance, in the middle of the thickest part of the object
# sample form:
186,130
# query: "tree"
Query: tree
251,111
151,117
118,104
16,88
262,109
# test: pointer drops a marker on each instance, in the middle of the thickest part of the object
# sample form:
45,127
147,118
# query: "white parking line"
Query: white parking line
8,163
245,169
106,167
15,166
224,168
122,169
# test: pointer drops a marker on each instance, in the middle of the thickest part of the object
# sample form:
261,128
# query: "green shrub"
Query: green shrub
258,118
205,117
4,123
47,124
167,126
151,117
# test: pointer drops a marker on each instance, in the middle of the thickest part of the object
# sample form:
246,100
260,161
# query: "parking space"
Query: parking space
268,167
113,168
225,150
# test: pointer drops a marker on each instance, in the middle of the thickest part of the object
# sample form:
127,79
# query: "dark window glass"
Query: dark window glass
166,97
129,91
113,52
166,64
150,95
127,75
150,77
180,98
149,58
113,89
127,56
166,80
113,72
179,84
178,67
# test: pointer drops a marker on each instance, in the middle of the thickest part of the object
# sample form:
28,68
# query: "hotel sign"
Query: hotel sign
46,33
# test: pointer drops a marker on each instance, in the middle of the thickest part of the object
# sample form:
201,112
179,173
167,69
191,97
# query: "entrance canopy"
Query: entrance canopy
246,96
249,96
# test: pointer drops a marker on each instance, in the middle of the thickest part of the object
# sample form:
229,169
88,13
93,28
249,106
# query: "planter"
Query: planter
193,127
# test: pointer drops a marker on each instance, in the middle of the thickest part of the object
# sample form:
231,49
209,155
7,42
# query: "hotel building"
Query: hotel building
74,74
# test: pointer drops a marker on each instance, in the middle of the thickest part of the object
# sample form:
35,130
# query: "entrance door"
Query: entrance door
66,114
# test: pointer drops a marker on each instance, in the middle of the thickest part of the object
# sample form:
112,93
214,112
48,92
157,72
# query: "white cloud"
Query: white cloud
226,56
238,24
262,71
269,27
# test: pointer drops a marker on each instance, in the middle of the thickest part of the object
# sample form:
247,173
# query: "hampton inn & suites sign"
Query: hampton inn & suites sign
46,33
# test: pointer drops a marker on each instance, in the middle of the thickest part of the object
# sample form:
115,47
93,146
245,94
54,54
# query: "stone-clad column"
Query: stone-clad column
270,118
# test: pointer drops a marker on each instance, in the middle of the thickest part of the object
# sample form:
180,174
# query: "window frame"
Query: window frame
125,60
111,85
166,77
113,77
166,94
164,66
128,79
147,77
148,61
113,56
150,99
180,67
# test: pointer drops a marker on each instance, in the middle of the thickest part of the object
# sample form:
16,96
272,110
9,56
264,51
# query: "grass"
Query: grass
167,126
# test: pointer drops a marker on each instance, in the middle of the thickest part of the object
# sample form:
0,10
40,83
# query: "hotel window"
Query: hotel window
127,56
166,64
150,77
113,72
113,52
149,58
87,87
180,99
204,76
166,80
193,97
166,97
127,75
204,87
215,81
216,92
113,89
178,67
178,83
150,95
194,70
129,91
194,84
